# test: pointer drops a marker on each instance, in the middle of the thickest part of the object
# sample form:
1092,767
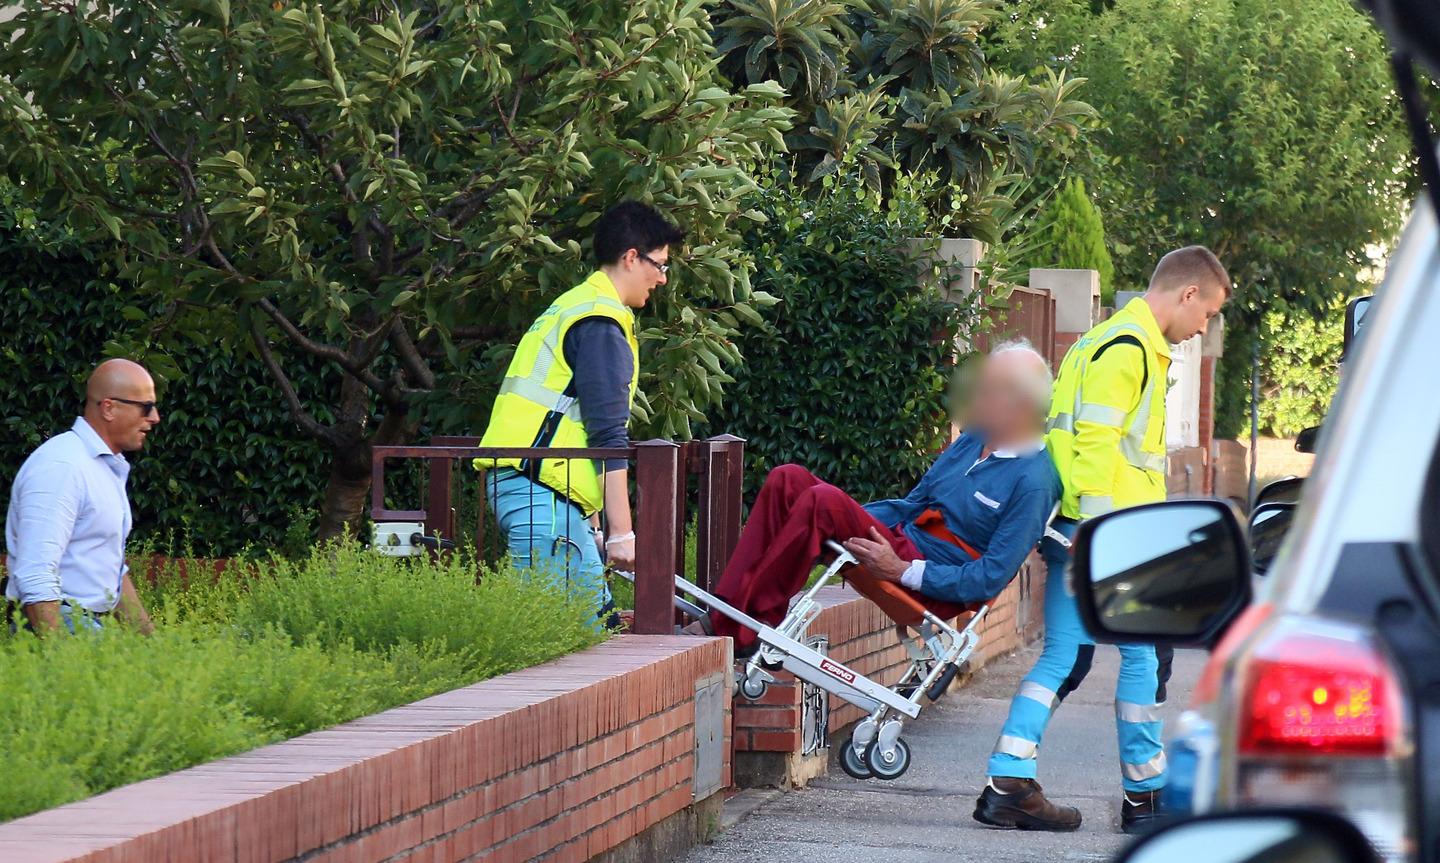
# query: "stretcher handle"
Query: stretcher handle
942,683
681,603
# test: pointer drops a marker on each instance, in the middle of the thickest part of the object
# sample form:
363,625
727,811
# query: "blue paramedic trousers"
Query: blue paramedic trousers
1062,665
548,534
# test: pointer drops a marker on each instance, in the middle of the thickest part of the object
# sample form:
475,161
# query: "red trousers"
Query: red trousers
792,517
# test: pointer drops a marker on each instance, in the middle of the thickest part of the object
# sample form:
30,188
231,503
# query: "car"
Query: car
1322,610
1264,836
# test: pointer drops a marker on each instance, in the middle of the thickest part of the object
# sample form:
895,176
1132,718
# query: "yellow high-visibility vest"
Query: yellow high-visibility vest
1106,431
534,408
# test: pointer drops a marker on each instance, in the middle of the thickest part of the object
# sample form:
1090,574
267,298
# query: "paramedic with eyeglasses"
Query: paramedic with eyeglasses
1107,439
69,513
571,384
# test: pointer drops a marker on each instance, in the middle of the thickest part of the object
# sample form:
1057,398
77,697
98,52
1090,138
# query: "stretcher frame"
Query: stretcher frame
876,748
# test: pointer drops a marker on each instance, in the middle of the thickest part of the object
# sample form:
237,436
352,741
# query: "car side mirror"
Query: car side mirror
1269,525
1280,491
1307,440
1355,313
1255,836
1175,572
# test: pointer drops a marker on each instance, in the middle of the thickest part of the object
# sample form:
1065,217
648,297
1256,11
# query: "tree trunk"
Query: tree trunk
346,499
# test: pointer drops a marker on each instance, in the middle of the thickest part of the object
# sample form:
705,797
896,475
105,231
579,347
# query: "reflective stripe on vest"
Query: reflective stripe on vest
534,407
1133,440
532,390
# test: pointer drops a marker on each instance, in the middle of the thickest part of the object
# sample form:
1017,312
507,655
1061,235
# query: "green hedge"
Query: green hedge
848,379
227,465
296,646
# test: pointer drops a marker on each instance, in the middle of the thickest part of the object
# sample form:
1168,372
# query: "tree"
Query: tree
396,196
898,86
1266,129
1300,376
861,403
1073,236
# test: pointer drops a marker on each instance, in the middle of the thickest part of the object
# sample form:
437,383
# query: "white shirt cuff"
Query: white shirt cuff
913,575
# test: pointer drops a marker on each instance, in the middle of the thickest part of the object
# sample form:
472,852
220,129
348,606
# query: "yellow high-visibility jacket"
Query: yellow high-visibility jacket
1106,431
534,409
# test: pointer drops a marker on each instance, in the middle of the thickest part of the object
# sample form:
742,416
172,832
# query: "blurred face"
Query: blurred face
1000,406
638,274
1194,308
129,414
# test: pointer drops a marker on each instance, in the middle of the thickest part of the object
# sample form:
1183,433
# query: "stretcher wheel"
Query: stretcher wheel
753,688
887,769
853,763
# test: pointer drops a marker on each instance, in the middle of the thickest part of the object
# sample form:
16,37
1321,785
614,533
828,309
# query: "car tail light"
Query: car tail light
1312,693
1322,722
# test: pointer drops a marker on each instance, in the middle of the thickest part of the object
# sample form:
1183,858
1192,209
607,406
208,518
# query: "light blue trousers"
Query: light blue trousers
1062,665
548,534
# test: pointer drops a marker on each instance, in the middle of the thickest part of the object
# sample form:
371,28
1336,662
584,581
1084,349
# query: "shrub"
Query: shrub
1073,237
287,648
226,449
848,379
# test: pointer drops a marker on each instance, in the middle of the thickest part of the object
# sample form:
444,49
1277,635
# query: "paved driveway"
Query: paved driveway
924,817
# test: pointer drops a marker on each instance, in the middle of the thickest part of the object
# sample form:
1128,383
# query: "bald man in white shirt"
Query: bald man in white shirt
69,514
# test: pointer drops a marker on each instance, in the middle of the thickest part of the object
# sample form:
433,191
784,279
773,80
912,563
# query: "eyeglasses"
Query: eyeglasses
146,408
663,268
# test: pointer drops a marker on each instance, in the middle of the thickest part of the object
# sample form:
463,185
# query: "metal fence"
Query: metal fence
668,478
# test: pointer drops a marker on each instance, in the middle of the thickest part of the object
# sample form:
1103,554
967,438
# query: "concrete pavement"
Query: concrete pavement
925,816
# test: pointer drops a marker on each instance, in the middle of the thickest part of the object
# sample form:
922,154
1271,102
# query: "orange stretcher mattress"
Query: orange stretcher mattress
901,604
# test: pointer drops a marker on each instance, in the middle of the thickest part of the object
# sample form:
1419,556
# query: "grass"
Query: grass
278,649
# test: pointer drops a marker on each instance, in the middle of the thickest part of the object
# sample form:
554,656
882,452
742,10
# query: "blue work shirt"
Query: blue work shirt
999,506
68,521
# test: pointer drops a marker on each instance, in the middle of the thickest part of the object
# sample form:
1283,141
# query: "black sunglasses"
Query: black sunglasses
146,408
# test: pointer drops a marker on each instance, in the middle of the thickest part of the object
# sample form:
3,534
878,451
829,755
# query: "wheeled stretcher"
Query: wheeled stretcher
936,649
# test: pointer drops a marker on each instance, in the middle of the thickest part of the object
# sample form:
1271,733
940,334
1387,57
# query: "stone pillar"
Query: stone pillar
1077,302
964,253
964,256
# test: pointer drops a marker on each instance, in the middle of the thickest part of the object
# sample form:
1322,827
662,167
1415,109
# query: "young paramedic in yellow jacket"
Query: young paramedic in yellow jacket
1107,438
571,383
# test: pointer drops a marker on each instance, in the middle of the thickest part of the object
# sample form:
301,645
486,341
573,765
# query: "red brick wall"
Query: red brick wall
1028,314
1188,472
1207,414
559,762
864,638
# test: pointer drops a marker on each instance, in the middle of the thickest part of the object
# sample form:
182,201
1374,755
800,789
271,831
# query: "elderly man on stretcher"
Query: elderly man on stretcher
954,541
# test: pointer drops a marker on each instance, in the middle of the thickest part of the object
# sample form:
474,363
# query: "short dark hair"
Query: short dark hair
1191,265
632,225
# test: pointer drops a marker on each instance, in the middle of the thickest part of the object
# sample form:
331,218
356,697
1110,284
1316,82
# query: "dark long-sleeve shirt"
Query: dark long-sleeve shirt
999,506
596,350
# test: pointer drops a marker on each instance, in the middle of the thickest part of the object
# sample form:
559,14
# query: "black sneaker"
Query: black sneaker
1020,804
1140,812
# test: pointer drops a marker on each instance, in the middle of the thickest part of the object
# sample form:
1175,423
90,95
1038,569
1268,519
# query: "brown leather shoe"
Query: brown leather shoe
699,626
1140,812
1020,804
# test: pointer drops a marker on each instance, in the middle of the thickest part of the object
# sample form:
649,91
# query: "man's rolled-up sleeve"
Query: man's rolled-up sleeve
46,508
1022,522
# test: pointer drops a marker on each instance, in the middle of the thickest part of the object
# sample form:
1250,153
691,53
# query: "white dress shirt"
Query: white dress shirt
68,521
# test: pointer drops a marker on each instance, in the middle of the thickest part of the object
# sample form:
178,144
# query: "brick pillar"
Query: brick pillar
1212,346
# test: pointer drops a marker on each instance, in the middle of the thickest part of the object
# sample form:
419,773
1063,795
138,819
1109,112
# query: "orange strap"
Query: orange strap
933,523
